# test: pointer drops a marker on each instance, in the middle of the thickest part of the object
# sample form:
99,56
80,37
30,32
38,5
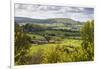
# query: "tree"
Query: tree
87,34
48,38
22,45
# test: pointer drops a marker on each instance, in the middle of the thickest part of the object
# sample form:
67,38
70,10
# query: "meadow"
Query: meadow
42,43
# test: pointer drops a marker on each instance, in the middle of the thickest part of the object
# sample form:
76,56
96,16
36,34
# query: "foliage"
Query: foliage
22,44
58,45
87,33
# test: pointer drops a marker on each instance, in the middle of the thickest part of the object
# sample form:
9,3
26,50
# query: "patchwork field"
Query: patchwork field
41,43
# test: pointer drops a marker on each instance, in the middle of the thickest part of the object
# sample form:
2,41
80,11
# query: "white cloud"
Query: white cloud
46,11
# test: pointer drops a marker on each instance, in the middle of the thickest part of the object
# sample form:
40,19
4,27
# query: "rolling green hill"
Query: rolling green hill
45,21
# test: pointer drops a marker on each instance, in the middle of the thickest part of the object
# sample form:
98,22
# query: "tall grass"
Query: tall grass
58,53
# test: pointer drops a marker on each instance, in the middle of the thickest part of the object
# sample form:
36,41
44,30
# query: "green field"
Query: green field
65,42
51,43
57,53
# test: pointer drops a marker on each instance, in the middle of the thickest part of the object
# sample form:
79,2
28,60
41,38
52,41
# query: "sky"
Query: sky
38,11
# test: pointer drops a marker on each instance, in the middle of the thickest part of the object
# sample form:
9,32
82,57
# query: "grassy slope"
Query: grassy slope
65,42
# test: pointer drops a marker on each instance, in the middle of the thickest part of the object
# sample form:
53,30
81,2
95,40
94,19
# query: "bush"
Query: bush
37,57
87,34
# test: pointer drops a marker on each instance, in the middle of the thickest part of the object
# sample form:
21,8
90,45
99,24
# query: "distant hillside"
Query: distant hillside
52,20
